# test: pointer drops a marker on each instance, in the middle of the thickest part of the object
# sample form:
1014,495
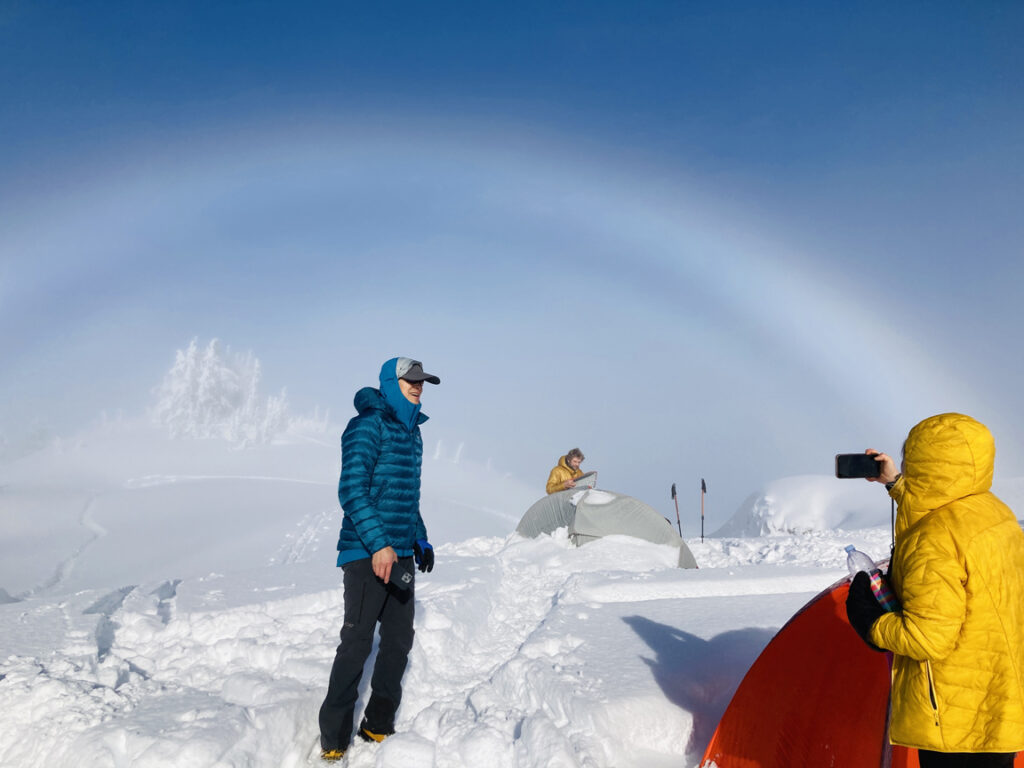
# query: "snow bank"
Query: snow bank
528,653
807,503
810,503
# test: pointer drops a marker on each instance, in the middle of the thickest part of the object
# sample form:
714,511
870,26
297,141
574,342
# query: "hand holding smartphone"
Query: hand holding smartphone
857,465
400,577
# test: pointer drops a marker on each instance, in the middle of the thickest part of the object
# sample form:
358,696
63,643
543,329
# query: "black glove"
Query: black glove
862,608
424,554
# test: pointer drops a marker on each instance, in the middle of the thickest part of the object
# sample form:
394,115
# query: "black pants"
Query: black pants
368,601
964,759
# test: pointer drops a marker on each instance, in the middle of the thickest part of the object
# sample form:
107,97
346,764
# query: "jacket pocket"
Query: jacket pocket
353,599
933,698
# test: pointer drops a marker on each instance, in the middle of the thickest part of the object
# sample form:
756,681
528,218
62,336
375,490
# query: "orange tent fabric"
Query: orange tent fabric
817,697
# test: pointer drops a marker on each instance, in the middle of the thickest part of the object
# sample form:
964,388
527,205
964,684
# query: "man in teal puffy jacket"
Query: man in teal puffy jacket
382,539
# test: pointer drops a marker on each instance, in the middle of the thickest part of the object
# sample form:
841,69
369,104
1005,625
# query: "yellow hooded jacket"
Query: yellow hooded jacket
958,570
561,473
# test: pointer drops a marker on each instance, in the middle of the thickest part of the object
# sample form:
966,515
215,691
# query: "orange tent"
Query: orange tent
817,697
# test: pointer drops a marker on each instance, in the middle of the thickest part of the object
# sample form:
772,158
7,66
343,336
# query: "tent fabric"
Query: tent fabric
600,513
553,511
547,514
816,696
591,514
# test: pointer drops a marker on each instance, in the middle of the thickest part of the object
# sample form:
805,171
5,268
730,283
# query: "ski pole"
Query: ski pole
703,490
679,525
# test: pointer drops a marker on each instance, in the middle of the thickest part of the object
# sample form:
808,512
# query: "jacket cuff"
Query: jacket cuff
874,633
376,546
896,488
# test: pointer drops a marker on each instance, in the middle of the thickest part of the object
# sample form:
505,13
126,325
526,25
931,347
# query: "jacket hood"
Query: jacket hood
407,413
369,399
946,457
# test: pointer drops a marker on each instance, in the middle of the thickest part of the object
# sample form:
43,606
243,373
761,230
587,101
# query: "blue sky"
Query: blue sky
697,239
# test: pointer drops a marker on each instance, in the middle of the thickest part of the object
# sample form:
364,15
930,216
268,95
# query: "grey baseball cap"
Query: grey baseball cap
412,370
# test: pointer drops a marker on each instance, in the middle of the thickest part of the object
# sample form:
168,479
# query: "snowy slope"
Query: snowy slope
807,503
176,604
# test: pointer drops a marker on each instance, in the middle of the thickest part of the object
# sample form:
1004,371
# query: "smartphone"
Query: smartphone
400,577
857,465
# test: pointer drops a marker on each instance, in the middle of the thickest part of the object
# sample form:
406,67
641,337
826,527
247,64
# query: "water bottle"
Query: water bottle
857,561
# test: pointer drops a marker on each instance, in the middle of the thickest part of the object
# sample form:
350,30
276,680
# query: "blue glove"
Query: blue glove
424,554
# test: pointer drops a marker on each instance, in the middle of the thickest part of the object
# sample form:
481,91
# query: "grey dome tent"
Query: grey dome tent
590,513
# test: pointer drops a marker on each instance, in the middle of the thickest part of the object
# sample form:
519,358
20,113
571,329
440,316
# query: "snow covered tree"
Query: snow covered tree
209,393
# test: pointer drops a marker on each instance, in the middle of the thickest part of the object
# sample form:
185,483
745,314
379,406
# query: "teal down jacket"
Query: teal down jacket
379,489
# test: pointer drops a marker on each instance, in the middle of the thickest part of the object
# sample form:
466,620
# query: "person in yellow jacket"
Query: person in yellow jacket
566,472
958,572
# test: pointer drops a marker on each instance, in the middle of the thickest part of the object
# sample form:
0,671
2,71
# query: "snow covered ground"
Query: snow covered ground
175,603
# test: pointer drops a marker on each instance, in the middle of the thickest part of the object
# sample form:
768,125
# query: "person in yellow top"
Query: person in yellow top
566,471
958,572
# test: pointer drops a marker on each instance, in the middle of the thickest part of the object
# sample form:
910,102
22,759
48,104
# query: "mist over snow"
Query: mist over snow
213,394
809,503
168,597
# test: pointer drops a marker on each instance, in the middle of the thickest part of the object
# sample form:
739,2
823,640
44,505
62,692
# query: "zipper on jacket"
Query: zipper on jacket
931,693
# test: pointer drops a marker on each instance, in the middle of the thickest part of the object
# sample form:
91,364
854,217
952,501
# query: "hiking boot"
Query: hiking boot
331,755
366,733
